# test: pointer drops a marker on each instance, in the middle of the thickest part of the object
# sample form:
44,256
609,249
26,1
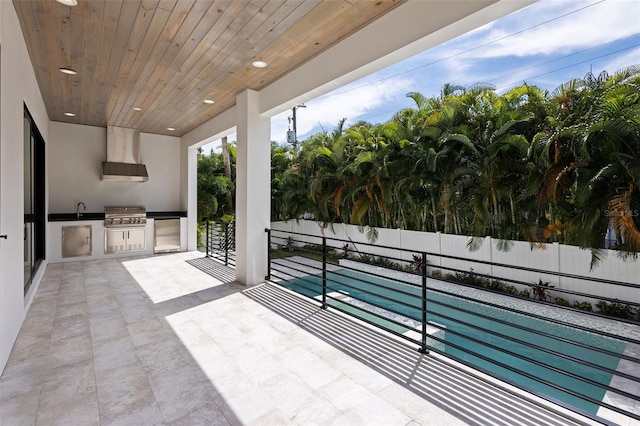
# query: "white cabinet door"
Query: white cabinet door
136,240
115,241
124,240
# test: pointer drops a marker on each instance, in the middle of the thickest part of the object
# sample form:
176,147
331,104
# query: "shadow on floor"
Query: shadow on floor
214,268
459,392
96,349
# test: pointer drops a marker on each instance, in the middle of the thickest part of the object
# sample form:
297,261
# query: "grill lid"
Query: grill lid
115,216
125,211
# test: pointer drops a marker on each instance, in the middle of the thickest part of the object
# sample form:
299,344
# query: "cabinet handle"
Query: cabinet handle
3,236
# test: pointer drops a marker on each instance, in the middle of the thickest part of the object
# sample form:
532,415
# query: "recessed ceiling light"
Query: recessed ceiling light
69,114
68,2
209,101
137,109
259,64
171,129
68,71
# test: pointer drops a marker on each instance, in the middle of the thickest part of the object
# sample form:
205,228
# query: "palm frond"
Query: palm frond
504,245
371,234
622,219
597,256
360,208
474,243
463,139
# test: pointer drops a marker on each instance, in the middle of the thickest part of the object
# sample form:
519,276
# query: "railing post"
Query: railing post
206,240
226,245
324,272
268,276
233,234
423,270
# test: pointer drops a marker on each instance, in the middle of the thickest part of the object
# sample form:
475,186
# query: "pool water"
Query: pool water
351,282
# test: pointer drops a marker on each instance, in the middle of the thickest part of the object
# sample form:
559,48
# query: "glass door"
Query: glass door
34,208
28,202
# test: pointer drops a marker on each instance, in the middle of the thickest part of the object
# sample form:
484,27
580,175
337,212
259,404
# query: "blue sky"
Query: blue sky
544,44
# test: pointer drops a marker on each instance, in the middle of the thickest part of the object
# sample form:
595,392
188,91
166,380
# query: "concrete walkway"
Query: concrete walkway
157,341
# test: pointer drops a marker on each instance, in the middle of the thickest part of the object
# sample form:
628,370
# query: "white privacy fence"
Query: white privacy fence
543,264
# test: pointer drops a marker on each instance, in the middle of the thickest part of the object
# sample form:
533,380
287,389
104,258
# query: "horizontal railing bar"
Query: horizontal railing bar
534,285
350,295
553,320
378,325
367,291
492,374
488,331
540,363
534,315
396,351
360,289
378,286
530,376
382,317
385,277
507,367
528,329
378,305
354,306
510,309
482,262
361,318
492,277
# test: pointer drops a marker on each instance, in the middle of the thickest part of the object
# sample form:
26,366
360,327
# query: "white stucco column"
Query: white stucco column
253,189
189,193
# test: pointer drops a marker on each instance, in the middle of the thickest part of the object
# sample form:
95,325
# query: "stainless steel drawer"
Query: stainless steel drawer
76,241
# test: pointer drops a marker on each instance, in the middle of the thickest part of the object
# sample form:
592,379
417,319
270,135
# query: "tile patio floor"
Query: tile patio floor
157,341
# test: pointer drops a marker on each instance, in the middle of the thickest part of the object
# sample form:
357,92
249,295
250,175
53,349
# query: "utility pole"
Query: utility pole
292,137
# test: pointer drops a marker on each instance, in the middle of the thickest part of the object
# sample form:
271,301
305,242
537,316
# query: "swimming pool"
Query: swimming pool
470,331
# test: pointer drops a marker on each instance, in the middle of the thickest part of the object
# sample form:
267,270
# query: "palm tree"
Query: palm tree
593,150
608,173
214,189
526,164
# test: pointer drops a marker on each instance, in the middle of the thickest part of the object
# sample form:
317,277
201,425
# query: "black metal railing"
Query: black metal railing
505,327
221,241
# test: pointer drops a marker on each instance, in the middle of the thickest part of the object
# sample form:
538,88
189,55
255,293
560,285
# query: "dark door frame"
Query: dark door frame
38,217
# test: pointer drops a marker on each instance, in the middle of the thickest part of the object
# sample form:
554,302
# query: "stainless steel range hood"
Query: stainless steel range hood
123,156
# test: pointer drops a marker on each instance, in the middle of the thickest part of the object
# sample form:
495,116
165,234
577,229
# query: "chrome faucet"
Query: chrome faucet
84,209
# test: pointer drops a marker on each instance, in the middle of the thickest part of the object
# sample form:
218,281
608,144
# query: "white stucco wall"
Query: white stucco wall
76,154
554,258
18,86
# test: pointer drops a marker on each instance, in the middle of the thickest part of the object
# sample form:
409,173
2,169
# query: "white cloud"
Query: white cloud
539,40
601,23
351,102
632,57
527,54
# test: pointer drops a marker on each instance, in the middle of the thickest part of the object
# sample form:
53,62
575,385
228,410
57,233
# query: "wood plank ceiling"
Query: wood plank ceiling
166,57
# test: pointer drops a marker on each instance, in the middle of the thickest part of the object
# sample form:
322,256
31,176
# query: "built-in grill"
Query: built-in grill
125,216
125,229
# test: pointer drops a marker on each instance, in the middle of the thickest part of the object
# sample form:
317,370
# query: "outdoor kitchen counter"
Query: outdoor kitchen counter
73,217
96,220
166,215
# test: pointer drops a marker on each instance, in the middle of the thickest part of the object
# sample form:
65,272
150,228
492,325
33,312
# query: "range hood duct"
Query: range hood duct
123,156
